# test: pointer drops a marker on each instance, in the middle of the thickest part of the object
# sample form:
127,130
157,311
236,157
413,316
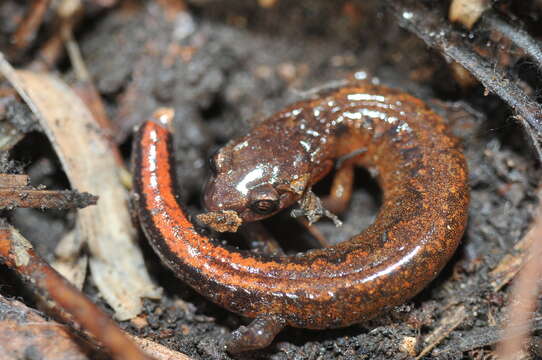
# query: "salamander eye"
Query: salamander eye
212,160
264,207
212,165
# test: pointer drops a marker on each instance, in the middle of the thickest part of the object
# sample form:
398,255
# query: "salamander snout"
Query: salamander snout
228,208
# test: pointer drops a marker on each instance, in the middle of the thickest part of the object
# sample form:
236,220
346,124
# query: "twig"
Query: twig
518,36
511,264
158,351
15,193
17,254
26,31
84,87
534,138
438,34
49,53
481,337
524,295
11,198
25,331
13,180
446,326
68,15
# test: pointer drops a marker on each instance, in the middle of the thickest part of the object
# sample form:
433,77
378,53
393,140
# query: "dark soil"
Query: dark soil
224,65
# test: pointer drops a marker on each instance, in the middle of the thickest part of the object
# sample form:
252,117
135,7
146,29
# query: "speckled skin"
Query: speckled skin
418,164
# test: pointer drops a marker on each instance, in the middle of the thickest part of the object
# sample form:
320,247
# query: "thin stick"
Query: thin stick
26,31
438,34
518,36
524,295
17,254
15,193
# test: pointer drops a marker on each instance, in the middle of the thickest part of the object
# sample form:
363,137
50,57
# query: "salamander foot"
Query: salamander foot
257,335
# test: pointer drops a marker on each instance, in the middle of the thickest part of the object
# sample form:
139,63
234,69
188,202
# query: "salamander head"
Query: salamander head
253,178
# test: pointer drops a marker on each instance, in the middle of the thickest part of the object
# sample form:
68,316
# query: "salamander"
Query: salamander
417,162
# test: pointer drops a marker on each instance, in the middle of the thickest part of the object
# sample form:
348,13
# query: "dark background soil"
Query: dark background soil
224,65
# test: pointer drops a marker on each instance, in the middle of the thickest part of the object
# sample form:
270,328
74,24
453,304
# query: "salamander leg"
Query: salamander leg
336,202
257,335
341,189
259,239
312,208
314,231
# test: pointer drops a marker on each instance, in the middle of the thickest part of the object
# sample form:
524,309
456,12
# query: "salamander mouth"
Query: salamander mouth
222,220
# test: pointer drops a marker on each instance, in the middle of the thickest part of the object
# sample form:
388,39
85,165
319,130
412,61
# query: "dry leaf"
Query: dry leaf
116,261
